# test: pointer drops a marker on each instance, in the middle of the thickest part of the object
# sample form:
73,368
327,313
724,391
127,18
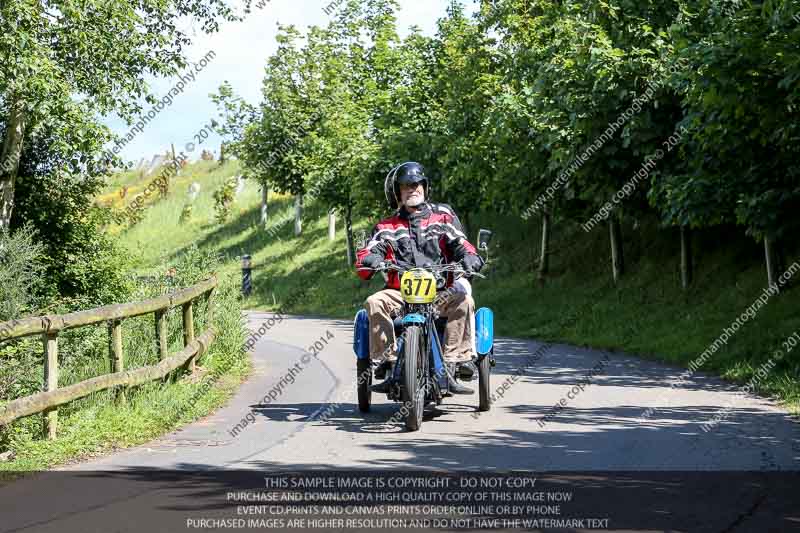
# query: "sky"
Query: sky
240,52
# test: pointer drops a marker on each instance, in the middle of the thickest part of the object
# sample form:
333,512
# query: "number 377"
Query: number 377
413,287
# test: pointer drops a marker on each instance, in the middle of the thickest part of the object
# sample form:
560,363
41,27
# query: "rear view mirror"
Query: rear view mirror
484,236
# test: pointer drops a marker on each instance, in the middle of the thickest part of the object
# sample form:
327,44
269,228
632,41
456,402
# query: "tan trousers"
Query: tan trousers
458,307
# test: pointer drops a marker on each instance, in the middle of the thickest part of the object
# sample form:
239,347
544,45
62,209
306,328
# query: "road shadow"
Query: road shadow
345,416
561,364
590,438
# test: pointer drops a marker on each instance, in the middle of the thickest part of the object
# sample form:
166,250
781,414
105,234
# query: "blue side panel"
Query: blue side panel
414,319
484,330
361,335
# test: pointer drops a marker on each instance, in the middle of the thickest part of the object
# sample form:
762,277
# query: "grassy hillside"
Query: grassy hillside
646,314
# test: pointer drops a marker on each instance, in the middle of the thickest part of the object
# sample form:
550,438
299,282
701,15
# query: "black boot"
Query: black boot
386,369
382,387
467,371
380,371
454,386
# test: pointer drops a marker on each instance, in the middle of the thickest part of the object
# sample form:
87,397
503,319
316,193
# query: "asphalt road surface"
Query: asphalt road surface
627,418
603,427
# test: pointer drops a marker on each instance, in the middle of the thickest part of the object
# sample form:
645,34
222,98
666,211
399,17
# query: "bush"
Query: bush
186,214
79,259
21,269
223,198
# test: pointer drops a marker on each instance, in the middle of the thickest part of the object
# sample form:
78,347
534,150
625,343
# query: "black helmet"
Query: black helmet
405,174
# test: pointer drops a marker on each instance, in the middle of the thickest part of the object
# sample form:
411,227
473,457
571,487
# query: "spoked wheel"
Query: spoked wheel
415,375
364,377
484,385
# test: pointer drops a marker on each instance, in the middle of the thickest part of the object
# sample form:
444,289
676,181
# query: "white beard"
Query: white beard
415,202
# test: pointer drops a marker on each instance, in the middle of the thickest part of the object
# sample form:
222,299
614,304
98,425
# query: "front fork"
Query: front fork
394,393
438,378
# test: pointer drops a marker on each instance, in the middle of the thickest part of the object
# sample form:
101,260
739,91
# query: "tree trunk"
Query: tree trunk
687,264
332,225
298,214
348,224
544,252
264,200
9,159
222,153
780,255
771,260
617,259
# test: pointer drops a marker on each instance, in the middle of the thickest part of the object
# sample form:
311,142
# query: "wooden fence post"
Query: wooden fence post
117,360
161,334
161,339
118,379
188,331
210,307
50,381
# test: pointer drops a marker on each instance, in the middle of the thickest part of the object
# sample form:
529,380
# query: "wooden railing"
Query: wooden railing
50,326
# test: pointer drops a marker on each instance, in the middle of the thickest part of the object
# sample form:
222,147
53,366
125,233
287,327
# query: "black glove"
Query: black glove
472,263
371,261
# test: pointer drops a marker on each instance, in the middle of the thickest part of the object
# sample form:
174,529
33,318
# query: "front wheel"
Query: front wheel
484,387
364,382
414,377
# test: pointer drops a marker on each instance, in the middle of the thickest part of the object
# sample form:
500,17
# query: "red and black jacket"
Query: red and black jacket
430,235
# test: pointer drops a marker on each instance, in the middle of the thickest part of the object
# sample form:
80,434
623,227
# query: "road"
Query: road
603,428
600,429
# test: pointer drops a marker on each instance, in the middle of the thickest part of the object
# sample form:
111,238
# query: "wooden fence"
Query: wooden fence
50,326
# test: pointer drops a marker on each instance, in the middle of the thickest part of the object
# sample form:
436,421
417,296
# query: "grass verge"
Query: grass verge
98,424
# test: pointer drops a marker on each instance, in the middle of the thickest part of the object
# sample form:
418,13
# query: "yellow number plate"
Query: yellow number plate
418,286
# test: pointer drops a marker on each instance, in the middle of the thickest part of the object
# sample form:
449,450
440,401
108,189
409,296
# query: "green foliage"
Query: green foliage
235,115
740,99
21,272
186,214
520,100
97,423
79,259
223,199
41,44
21,280
62,60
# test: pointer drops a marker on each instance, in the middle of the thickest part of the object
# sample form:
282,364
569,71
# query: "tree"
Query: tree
465,82
56,198
235,116
52,50
741,98
272,143
346,70
580,73
527,134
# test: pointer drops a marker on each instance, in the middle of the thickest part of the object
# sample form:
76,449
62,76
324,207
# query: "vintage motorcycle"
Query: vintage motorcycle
420,377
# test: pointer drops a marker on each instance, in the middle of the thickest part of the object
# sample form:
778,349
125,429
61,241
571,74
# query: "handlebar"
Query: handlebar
447,268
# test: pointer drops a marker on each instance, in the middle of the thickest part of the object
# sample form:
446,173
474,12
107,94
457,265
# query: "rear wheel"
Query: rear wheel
414,377
484,386
364,382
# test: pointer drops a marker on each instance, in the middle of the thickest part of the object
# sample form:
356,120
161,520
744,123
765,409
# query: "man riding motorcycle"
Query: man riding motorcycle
419,234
